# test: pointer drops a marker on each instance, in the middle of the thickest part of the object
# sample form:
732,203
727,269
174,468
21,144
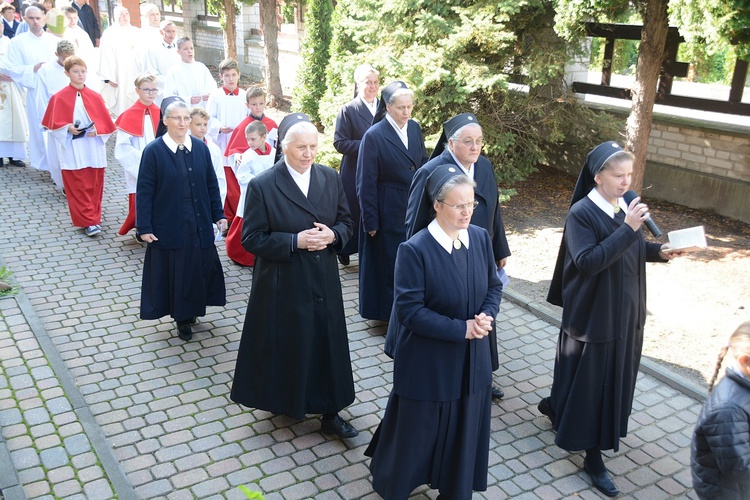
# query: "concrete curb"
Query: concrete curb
648,366
119,481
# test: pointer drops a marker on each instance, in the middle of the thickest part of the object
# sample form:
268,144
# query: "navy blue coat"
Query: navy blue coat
385,169
487,215
158,196
431,306
352,122
720,450
9,29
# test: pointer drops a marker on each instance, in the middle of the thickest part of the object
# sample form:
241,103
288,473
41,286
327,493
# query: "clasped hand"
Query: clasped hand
479,327
316,238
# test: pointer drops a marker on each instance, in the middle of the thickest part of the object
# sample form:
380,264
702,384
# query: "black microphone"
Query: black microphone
631,195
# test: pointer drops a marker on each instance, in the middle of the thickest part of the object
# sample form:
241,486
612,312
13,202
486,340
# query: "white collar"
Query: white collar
372,107
470,172
401,130
443,239
172,145
603,204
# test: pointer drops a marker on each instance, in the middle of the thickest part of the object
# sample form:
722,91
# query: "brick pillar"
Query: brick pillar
134,8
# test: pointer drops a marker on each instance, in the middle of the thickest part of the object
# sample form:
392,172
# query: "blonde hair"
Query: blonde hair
200,112
739,343
146,76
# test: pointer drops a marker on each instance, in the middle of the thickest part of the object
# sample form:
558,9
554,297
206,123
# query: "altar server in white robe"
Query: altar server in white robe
52,79
27,53
226,106
84,48
119,45
136,127
162,56
80,125
189,79
15,130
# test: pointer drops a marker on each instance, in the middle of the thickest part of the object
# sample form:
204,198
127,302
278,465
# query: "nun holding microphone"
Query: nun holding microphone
436,426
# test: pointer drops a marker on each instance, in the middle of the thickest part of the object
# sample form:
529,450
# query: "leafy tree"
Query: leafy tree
315,54
456,55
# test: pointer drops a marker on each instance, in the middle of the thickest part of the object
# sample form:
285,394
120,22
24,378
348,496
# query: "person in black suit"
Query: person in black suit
177,206
87,20
461,144
353,120
389,154
10,23
436,427
293,357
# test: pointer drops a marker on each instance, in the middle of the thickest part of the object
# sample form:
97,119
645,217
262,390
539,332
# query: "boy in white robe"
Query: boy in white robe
52,79
189,78
136,128
226,106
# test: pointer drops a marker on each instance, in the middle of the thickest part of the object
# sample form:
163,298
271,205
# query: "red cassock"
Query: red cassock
83,187
131,121
233,245
238,144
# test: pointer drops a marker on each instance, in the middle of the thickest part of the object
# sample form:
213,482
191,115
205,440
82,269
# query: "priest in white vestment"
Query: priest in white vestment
118,49
15,130
189,79
52,79
27,53
162,56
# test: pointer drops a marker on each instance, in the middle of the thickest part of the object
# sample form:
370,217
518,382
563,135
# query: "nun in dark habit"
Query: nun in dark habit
461,144
353,120
389,154
293,357
600,282
436,427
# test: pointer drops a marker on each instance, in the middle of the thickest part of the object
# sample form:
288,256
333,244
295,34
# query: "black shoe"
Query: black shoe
497,393
16,163
602,481
545,409
344,259
193,321
184,331
338,426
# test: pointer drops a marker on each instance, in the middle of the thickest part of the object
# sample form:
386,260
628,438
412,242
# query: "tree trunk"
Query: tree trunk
650,55
230,30
271,48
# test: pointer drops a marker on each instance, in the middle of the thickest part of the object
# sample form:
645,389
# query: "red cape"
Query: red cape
131,120
237,141
60,109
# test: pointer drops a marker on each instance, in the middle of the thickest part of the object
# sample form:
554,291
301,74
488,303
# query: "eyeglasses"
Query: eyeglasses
149,91
181,119
469,207
469,143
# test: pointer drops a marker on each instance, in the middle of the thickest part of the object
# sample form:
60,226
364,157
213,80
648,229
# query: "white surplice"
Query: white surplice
128,151
217,162
118,51
15,130
161,58
225,111
250,165
86,152
24,52
52,79
189,80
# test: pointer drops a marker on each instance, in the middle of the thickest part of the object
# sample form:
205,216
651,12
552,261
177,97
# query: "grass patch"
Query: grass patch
6,287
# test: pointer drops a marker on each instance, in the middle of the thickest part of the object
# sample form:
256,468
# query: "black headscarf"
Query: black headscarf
385,96
449,128
161,129
435,181
284,126
595,160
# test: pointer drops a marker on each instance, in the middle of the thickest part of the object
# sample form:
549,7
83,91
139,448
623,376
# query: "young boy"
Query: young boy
198,128
136,127
256,104
224,106
79,123
189,79
258,157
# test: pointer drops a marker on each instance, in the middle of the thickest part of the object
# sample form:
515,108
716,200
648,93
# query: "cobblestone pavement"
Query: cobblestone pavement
97,404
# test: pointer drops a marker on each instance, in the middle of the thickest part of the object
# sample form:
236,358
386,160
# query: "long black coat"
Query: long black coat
385,169
720,449
293,357
487,215
352,122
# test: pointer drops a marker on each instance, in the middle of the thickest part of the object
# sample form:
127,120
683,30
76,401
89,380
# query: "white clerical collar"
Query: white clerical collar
401,131
302,180
443,239
373,107
469,173
172,144
166,45
606,206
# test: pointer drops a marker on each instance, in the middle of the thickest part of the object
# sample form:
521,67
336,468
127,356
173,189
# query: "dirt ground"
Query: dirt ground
694,303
